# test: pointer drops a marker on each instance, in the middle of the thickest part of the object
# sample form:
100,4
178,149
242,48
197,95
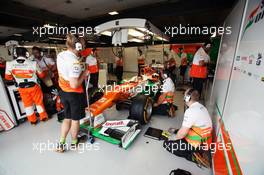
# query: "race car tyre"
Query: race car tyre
123,105
141,109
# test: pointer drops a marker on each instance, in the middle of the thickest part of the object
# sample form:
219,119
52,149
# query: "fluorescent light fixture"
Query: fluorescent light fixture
107,33
135,40
17,34
162,39
48,26
113,13
55,38
135,33
145,30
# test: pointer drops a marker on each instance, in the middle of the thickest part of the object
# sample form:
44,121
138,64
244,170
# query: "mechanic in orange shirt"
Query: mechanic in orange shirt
72,73
26,73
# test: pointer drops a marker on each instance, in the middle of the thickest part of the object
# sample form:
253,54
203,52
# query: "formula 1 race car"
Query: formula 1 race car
137,95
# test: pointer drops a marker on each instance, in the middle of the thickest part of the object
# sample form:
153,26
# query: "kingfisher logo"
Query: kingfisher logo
255,16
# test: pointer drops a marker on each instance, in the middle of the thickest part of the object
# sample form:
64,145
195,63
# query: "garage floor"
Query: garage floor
18,156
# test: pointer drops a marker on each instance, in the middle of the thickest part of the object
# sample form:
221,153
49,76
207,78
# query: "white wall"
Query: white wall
240,96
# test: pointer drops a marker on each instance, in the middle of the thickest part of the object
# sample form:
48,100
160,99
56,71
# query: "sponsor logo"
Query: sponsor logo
244,58
250,59
255,16
258,61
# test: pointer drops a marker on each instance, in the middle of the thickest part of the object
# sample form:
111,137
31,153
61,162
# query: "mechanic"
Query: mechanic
164,104
141,61
119,67
171,65
47,65
93,67
195,130
184,63
26,72
199,66
71,76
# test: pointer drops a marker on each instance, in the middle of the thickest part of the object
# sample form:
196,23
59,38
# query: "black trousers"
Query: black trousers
161,110
198,84
180,148
94,79
119,73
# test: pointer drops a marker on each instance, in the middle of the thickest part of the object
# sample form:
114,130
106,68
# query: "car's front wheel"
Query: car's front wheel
141,109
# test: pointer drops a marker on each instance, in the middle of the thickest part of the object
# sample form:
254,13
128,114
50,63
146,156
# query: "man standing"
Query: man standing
71,76
119,67
183,66
171,65
141,61
26,72
46,64
93,67
195,130
199,67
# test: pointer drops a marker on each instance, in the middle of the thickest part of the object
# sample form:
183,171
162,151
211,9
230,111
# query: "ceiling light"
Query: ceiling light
48,26
145,30
113,13
135,40
55,38
160,38
135,33
17,34
107,33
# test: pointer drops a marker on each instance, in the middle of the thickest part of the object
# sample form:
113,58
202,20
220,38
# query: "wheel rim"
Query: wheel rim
148,111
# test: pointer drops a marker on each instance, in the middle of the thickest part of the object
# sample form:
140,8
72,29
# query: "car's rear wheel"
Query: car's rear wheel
141,109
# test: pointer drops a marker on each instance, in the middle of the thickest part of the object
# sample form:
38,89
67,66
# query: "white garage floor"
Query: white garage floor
18,156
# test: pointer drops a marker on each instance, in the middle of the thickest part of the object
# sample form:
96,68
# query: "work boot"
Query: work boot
201,159
34,123
172,112
45,119
61,147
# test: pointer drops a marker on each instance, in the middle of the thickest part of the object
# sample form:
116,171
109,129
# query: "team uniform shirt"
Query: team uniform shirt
183,57
197,118
92,64
69,67
198,71
168,88
44,63
200,55
23,71
118,61
141,60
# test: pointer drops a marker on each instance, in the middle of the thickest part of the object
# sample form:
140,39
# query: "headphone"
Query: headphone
15,53
78,44
187,98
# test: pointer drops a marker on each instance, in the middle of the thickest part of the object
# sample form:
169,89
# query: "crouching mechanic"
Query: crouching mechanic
164,104
196,130
26,72
71,76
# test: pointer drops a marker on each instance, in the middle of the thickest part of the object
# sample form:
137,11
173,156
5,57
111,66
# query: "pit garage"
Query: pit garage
131,87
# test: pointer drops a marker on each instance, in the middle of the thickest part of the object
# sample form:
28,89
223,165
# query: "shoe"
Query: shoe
61,147
45,119
171,112
34,123
201,160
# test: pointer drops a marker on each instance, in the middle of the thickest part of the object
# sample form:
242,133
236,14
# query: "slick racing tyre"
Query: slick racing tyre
141,109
